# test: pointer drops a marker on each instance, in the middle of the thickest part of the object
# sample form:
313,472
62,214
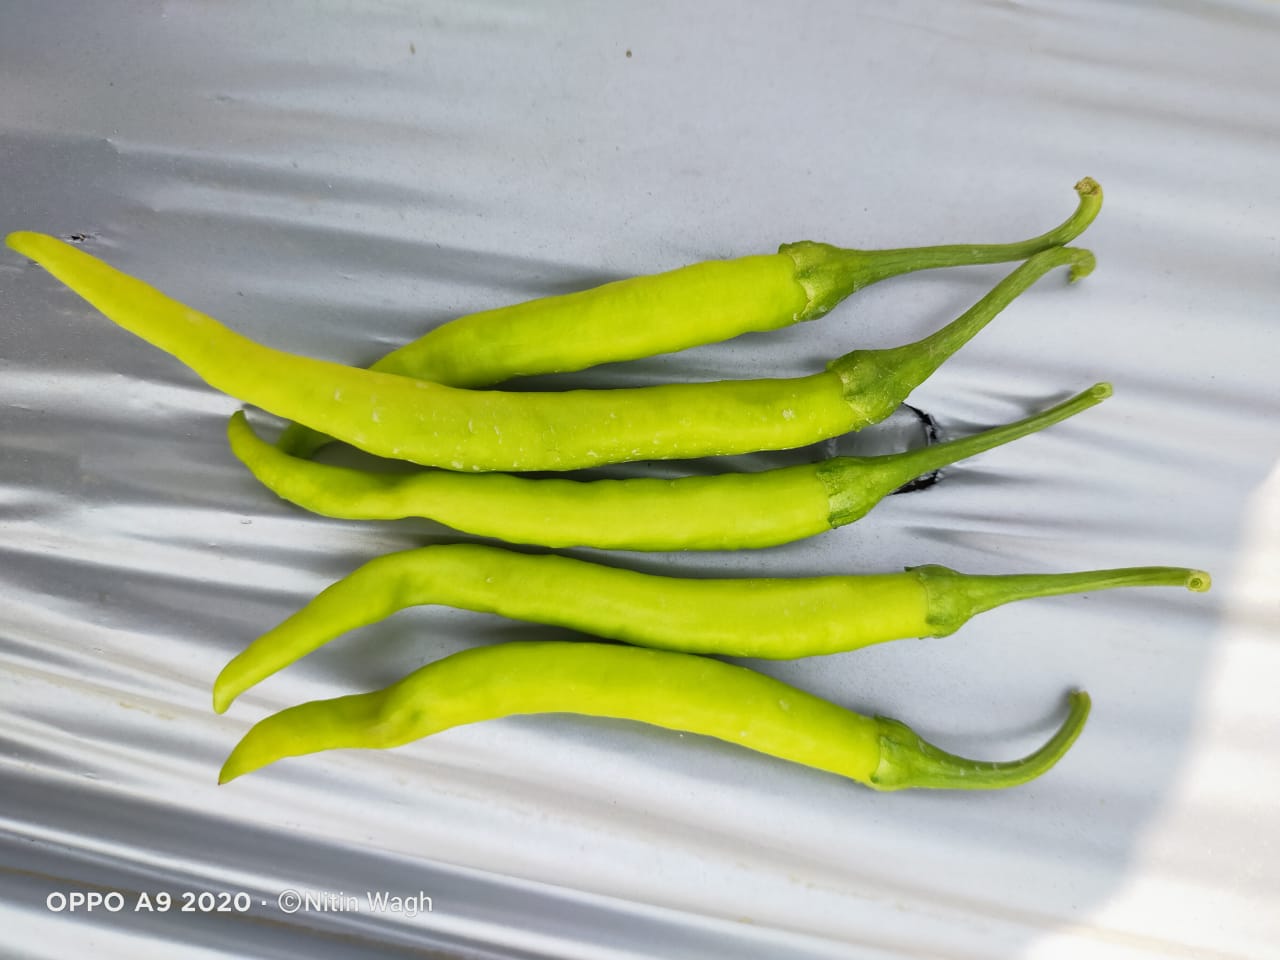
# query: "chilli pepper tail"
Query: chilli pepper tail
907,760
351,721
856,484
259,457
829,274
324,489
128,302
875,382
247,447
366,595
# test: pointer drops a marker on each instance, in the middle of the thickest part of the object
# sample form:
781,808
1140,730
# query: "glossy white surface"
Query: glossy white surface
334,179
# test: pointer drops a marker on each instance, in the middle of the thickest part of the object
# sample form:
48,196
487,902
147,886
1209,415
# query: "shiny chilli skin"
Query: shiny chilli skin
662,313
489,430
677,691
728,511
772,618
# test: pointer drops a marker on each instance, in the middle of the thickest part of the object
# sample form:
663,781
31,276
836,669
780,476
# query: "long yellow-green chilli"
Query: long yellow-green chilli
721,512
701,303
673,690
457,429
769,618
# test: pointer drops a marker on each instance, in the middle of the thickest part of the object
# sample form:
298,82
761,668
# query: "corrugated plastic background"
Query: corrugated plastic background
334,178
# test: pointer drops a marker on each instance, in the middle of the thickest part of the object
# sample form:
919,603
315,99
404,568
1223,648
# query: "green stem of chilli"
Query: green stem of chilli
988,592
925,258
830,274
856,484
914,463
877,381
953,598
907,760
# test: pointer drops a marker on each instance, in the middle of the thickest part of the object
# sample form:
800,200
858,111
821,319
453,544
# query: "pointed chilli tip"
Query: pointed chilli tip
227,772
20,241
237,427
233,767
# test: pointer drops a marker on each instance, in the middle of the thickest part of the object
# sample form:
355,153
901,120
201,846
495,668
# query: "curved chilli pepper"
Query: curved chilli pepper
440,426
672,690
723,512
702,303
768,618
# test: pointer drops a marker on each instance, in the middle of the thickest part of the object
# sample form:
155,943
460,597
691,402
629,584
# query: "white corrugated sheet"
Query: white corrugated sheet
335,178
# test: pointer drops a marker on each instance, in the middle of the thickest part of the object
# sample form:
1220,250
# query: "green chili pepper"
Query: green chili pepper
672,690
773,618
702,303
722,512
435,425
